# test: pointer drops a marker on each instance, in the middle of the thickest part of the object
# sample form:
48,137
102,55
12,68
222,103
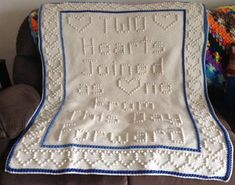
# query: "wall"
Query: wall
12,13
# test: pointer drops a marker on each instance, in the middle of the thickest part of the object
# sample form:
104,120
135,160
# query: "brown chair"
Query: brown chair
17,104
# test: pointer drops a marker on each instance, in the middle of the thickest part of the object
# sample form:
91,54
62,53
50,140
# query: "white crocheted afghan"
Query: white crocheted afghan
124,94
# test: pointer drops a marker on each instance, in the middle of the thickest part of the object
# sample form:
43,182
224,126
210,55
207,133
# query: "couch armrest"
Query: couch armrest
27,67
28,70
17,104
229,117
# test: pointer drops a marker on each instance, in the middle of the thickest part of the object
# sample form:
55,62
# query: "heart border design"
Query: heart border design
167,26
79,19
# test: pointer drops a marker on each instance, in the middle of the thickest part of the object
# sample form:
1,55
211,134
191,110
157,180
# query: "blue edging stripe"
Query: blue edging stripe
116,172
121,147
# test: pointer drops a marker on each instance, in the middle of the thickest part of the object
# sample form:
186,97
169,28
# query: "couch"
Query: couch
18,102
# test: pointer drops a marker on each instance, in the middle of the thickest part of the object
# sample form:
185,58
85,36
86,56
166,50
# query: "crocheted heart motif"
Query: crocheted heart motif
129,86
165,21
79,23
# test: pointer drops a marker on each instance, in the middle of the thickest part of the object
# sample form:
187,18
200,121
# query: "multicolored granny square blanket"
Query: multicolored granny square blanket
124,94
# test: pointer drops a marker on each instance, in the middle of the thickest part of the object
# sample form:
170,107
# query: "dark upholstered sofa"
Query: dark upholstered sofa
18,103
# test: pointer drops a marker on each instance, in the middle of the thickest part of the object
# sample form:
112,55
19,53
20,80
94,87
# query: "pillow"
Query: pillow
221,37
